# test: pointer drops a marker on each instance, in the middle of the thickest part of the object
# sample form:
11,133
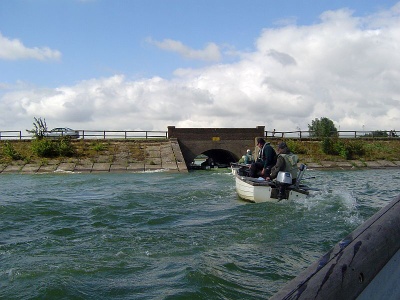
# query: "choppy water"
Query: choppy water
170,236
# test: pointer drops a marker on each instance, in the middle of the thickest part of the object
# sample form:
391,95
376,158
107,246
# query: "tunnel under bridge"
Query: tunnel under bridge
222,145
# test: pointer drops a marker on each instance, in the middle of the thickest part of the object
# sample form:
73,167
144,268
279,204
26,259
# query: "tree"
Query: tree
323,127
377,133
40,127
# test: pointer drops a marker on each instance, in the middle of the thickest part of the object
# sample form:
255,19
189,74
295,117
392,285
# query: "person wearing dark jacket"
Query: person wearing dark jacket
286,162
266,159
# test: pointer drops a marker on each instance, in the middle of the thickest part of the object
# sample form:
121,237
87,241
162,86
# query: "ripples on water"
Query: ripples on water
170,236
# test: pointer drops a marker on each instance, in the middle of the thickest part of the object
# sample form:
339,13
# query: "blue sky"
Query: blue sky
144,65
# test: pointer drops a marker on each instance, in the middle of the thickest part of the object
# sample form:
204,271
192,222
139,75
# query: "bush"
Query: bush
98,146
8,150
44,148
345,149
51,148
356,148
328,146
377,133
341,149
65,147
297,147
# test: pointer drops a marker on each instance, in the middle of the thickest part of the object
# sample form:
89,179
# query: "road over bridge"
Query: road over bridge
223,145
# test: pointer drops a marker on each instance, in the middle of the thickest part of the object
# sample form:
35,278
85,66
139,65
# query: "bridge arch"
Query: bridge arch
224,145
221,156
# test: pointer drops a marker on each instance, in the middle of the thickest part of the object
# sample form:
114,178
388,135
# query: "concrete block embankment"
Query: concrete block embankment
154,155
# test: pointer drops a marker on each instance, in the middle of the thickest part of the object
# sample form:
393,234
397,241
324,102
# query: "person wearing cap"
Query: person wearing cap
266,159
248,157
286,161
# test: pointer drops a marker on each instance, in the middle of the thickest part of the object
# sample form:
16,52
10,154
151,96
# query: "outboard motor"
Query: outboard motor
283,180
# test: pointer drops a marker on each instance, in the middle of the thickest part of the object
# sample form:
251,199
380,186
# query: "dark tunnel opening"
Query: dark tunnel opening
217,158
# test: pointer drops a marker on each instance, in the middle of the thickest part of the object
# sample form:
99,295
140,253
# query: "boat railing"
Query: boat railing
302,170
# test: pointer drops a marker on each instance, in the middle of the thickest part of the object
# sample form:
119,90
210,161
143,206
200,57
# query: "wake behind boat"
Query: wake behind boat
260,190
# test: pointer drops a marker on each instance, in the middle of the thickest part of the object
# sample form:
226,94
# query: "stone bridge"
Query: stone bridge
223,145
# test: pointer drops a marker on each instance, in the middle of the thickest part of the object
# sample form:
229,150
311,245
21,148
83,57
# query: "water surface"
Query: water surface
170,236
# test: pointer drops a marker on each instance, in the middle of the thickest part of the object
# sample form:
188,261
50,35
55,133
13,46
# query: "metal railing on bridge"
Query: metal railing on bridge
308,134
123,134
12,135
93,134
141,134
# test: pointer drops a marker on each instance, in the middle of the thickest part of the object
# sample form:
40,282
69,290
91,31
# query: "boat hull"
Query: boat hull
254,190
236,168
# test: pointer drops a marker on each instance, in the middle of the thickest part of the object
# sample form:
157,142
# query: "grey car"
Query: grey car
59,132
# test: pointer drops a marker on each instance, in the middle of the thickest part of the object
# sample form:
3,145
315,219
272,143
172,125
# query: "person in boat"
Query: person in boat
266,159
286,161
247,158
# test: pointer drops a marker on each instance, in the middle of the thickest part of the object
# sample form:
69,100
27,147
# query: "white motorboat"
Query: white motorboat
235,167
261,190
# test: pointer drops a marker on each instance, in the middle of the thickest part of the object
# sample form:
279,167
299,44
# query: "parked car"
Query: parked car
59,132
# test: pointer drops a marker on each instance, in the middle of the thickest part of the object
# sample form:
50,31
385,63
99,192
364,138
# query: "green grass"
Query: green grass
311,151
308,151
82,149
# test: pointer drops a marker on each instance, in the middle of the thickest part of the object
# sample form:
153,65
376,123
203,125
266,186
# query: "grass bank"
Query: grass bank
308,151
346,149
109,150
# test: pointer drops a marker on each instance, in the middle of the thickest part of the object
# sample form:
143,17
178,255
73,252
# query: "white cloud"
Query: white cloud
210,53
15,50
344,68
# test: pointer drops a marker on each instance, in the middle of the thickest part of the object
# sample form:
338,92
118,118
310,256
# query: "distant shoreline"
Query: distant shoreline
134,156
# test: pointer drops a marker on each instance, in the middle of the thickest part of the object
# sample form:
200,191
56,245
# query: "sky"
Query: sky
150,64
